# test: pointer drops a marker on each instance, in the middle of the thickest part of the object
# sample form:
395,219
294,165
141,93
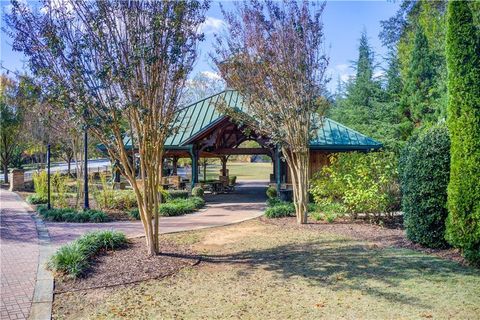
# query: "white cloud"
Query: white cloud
211,75
378,74
212,25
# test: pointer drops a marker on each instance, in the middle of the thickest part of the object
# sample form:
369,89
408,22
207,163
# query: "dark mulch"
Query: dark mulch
129,265
380,236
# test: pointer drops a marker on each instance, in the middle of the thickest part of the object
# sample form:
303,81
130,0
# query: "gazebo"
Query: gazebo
202,131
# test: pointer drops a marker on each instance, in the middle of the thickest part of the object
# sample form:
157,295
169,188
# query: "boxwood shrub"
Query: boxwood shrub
424,174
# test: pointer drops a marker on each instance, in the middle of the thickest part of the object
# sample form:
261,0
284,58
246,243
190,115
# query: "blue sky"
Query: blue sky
343,22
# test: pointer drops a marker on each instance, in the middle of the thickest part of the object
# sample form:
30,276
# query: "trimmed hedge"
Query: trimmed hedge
175,207
463,65
71,215
180,207
424,173
73,259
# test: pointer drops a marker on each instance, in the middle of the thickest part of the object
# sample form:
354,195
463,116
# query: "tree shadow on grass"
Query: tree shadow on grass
347,265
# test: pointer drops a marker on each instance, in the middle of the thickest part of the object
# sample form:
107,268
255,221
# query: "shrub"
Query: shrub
40,184
281,209
463,64
197,192
424,170
124,200
59,187
71,215
271,202
134,214
36,199
175,194
363,183
272,192
232,180
72,260
179,207
174,207
327,211
104,197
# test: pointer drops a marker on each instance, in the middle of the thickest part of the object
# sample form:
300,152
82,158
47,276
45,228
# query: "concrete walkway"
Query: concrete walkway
19,252
247,202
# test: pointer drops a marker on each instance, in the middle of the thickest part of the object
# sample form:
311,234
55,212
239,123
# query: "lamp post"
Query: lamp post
86,205
49,206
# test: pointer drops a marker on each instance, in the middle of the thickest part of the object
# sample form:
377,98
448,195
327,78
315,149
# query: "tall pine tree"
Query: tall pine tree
463,62
364,106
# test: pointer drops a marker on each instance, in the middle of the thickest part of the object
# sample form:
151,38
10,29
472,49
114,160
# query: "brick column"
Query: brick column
17,180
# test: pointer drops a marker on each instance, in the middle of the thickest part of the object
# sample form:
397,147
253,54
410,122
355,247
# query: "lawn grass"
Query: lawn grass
243,170
256,270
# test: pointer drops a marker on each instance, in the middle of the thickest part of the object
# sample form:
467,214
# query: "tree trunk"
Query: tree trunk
298,164
69,166
5,173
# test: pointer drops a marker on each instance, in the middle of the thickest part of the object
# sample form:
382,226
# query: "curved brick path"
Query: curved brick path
19,256
247,202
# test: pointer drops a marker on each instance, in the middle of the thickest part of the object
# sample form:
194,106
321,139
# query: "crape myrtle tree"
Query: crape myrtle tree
117,64
272,53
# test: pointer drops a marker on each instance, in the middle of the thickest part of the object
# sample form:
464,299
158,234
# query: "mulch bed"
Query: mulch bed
377,235
130,265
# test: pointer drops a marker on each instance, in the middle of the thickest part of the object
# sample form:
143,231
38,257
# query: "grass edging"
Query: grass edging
73,259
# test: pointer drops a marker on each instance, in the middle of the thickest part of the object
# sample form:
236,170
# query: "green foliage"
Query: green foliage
363,183
420,98
40,184
424,173
72,260
71,215
59,187
175,194
280,210
232,180
328,212
197,192
179,207
134,214
105,195
36,199
463,62
363,105
277,208
272,193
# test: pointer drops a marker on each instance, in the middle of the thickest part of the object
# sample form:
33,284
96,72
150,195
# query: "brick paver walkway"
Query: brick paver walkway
246,203
19,256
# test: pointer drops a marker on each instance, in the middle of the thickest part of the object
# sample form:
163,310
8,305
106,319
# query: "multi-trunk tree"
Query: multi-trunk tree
273,55
121,66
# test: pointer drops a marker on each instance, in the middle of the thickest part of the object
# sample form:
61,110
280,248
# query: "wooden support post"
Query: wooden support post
175,166
224,165
277,168
194,155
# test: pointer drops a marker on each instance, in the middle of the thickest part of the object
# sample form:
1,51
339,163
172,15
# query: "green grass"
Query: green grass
243,171
255,270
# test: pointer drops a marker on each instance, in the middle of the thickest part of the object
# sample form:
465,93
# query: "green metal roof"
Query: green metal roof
195,119
200,116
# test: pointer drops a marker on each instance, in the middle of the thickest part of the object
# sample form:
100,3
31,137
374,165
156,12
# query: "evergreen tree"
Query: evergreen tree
418,98
364,106
463,62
